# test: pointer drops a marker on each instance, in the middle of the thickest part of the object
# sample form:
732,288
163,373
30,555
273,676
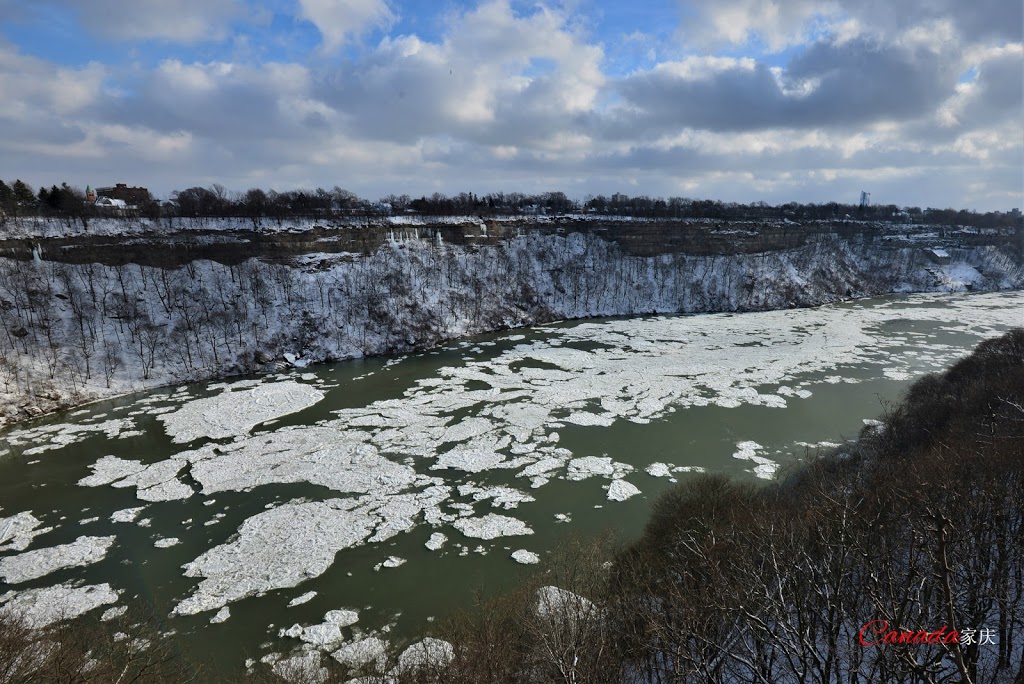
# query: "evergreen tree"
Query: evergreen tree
24,198
6,198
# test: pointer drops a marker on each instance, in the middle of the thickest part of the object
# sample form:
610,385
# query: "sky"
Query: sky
918,102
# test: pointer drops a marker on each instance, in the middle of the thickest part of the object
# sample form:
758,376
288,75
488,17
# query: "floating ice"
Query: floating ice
620,490
765,468
393,562
304,667
318,455
166,542
299,600
113,613
279,548
126,515
429,652
582,468
342,618
436,541
491,526
18,531
555,602
361,652
235,413
41,607
659,470
525,557
222,615
34,564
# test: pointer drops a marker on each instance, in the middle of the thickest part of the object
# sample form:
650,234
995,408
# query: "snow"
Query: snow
41,562
232,413
42,607
491,526
18,531
525,557
620,490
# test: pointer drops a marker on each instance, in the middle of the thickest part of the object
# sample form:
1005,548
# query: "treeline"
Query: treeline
916,530
19,199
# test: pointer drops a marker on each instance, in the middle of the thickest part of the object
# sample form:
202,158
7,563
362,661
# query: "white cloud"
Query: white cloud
340,20
184,21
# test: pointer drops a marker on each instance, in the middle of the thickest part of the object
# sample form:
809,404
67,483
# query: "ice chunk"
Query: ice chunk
620,490
525,557
491,526
34,564
235,413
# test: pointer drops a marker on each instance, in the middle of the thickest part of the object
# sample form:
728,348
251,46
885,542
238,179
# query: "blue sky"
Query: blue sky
918,102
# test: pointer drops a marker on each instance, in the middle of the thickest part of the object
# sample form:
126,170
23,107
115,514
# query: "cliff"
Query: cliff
131,304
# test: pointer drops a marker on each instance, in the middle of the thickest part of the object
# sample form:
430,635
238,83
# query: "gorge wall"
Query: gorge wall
128,305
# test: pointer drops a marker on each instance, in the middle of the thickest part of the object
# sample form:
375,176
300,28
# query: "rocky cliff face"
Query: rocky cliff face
121,309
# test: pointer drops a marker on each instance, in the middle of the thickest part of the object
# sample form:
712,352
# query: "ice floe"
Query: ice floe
620,490
428,652
525,557
222,616
436,541
126,515
764,468
361,652
491,526
31,565
275,549
18,531
166,542
589,466
304,598
41,607
232,413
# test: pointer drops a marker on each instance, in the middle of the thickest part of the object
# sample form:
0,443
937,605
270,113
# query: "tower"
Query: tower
865,199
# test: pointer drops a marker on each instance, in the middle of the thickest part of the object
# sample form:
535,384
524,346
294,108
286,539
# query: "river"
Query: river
333,479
